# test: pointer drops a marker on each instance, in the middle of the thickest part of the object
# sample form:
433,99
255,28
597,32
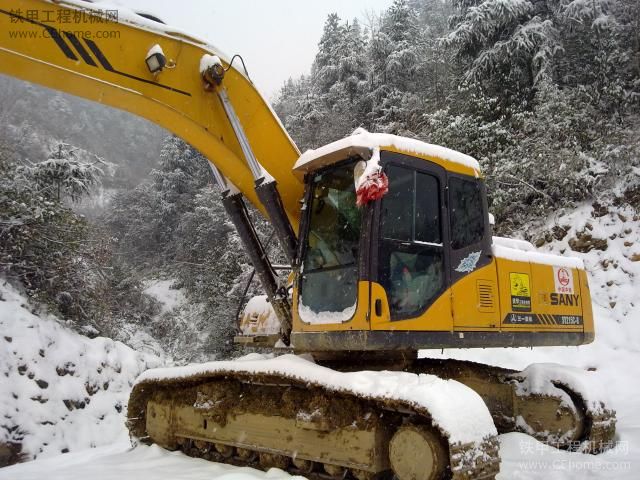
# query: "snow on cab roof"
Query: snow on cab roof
361,142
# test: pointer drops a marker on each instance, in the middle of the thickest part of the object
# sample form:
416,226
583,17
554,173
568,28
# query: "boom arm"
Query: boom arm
104,61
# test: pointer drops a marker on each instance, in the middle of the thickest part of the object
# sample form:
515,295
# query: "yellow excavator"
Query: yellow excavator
391,251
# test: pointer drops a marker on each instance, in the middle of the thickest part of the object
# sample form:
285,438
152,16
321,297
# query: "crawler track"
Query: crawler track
560,417
264,421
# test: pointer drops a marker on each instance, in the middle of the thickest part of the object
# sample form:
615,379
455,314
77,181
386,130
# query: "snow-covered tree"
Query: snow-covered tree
508,45
69,172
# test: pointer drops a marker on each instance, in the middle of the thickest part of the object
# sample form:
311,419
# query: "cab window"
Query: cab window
466,213
330,263
411,252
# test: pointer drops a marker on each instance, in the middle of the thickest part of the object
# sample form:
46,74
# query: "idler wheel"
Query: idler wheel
416,453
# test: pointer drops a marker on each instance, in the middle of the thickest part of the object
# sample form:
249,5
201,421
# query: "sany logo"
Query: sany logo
563,277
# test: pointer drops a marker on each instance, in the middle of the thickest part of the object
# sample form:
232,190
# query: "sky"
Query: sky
277,39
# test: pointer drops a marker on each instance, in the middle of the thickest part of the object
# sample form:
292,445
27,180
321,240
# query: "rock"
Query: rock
8,339
635,257
75,404
67,369
609,283
628,244
585,242
612,304
622,217
10,453
559,232
42,384
540,242
91,388
599,210
22,369
41,352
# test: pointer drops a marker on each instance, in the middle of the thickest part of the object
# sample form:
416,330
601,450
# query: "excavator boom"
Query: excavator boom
97,54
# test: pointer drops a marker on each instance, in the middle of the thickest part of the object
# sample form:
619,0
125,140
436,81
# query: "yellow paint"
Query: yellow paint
436,318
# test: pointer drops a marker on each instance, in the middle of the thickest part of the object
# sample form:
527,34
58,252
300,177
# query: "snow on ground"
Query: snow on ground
60,391
615,355
163,292
121,462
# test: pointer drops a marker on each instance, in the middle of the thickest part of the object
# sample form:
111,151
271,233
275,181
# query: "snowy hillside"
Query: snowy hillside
60,391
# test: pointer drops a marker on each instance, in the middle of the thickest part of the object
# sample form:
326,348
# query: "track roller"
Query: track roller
225,450
334,471
305,466
246,455
272,460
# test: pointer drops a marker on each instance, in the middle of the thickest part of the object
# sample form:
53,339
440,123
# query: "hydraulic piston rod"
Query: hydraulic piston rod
265,185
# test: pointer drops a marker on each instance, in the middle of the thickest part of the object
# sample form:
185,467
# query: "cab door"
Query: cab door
409,263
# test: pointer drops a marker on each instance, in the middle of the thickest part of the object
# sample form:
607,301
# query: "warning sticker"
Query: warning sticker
520,292
563,279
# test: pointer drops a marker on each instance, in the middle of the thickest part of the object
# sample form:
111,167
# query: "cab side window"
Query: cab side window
466,214
411,252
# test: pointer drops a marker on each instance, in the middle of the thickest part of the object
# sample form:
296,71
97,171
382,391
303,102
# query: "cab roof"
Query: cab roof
362,143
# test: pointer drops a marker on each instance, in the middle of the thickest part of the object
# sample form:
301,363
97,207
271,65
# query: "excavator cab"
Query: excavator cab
387,263
416,268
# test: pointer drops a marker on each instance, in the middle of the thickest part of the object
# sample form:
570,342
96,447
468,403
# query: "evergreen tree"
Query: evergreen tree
65,175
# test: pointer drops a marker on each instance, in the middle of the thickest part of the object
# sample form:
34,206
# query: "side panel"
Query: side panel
539,297
436,318
476,300
558,298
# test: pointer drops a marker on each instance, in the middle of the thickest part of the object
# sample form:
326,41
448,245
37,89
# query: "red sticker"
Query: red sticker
563,277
